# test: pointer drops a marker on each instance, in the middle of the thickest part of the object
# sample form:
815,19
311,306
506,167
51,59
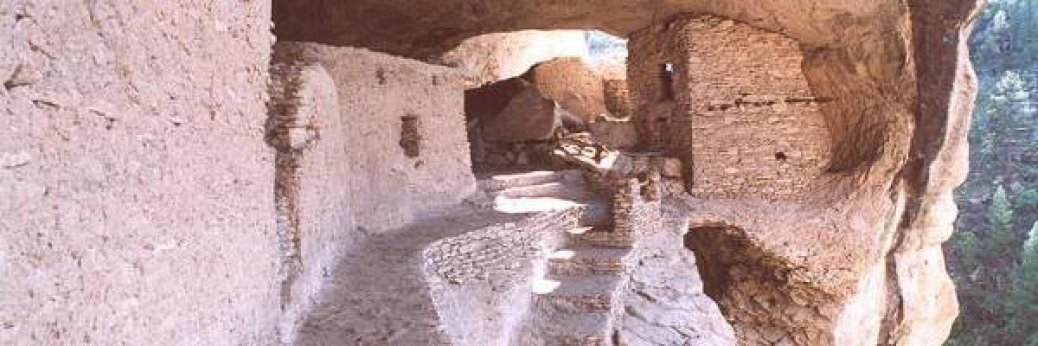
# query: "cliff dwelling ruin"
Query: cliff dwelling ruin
390,172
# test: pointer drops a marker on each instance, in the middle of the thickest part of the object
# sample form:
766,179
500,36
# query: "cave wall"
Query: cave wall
747,123
136,194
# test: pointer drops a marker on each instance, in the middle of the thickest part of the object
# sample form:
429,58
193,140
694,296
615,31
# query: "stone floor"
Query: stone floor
665,305
377,295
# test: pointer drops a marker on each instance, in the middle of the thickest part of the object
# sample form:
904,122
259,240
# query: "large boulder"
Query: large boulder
488,101
529,116
573,84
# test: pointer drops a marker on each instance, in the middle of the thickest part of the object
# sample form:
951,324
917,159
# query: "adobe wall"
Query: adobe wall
315,220
136,195
748,124
346,165
376,92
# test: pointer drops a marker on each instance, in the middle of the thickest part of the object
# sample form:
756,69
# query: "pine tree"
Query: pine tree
1001,238
1023,301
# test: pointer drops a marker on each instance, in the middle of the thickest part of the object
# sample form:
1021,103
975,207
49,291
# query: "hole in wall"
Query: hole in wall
781,156
381,75
667,81
409,136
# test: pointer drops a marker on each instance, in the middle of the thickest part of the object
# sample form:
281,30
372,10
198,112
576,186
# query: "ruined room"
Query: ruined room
390,172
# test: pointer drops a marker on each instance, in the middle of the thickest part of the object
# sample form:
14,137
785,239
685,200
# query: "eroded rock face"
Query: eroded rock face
666,303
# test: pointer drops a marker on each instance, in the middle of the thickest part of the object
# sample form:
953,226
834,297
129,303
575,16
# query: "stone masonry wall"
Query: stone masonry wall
649,50
480,280
136,195
752,126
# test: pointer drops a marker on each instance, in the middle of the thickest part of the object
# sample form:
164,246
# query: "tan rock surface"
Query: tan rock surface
137,206
573,84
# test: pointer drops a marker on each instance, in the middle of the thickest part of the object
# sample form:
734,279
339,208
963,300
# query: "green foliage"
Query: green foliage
1024,298
998,298
995,273
1001,235
1027,199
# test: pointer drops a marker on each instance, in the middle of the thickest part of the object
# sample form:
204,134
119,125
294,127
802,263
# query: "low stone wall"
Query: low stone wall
479,281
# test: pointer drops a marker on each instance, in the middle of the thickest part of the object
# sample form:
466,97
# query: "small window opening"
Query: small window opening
667,81
409,136
781,156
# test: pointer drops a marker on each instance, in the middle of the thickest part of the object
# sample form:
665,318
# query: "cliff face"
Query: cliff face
893,87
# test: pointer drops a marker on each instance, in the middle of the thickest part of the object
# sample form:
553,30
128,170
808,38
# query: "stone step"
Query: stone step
504,181
598,237
587,261
579,294
584,329
554,189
